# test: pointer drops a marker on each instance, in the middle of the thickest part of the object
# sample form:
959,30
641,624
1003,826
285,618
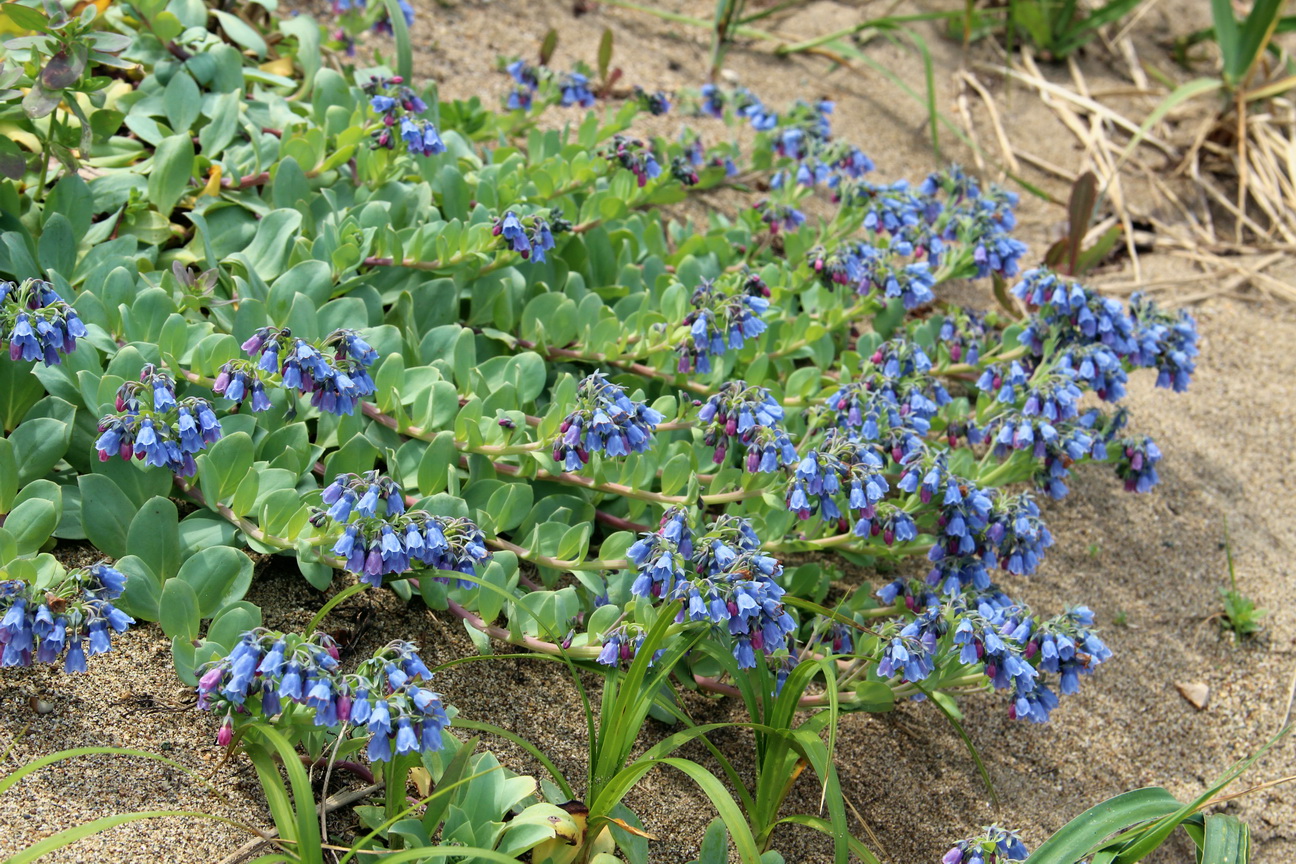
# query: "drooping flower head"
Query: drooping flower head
726,582
72,617
605,421
153,425
374,544
333,371
37,323
751,417
994,845
726,313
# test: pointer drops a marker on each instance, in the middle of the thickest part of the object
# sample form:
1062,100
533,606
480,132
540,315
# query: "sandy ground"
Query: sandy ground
1154,562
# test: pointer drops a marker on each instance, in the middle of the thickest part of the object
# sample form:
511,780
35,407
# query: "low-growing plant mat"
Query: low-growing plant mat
1153,561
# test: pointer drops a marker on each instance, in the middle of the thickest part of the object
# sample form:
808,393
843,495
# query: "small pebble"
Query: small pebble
1197,693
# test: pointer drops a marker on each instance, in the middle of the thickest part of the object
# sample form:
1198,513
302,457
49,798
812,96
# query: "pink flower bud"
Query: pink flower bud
226,733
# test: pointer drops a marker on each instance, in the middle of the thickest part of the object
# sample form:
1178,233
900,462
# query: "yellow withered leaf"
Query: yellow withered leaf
282,66
213,186
626,826
422,779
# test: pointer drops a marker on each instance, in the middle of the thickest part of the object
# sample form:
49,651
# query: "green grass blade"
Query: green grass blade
726,807
18,774
1138,848
442,791
856,847
1181,94
1227,36
71,835
440,853
744,796
1079,837
340,597
1227,840
306,828
937,699
404,53
1256,31
526,745
276,793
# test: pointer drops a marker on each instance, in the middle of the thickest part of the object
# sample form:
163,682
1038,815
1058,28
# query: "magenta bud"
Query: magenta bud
226,733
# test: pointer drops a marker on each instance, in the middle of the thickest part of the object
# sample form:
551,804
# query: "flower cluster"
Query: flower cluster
1072,315
1074,442
806,137
395,104
155,427
747,104
1069,647
911,652
1017,536
633,155
38,324
960,544
754,418
868,268
1136,460
395,542
994,845
604,421
527,81
662,555
285,672
531,236
893,401
1166,342
40,624
575,91
1050,399
780,216
963,333
725,582
893,210
840,464
725,315
655,104
980,530
683,170
334,371
926,472
993,631
622,643
984,224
